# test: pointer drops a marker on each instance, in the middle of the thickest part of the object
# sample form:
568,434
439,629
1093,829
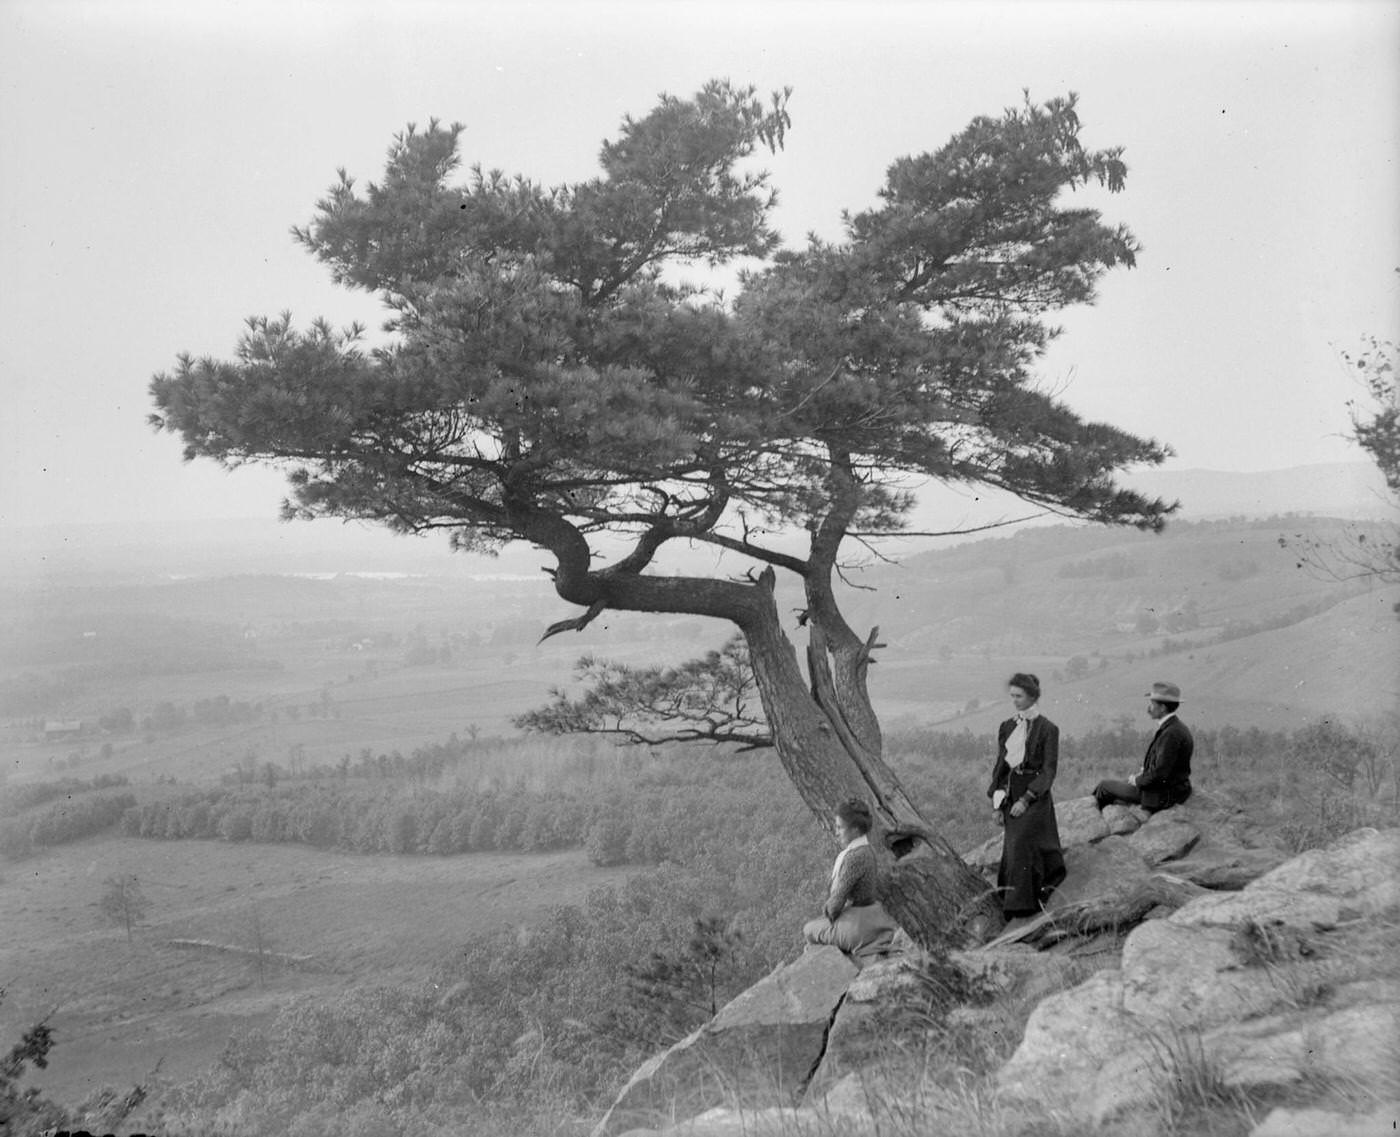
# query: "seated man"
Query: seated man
854,920
1165,777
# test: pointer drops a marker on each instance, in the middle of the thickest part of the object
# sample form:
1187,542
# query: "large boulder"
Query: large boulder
1284,1049
758,1052
1080,822
1104,872
1356,876
1068,1040
1262,987
1164,837
883,1022
1170,971
1124,819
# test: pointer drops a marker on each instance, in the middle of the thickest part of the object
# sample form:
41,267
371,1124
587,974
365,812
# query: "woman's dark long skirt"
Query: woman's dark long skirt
1032,865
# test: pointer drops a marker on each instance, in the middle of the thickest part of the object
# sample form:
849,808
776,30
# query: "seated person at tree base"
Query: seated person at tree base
854,920
1165,777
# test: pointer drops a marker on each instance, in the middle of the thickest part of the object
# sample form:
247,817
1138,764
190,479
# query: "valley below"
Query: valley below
233,933
221,707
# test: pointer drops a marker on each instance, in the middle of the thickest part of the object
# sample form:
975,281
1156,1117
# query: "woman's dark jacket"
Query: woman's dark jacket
1037,773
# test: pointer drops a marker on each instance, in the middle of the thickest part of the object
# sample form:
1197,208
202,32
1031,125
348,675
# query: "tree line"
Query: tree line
26,795
526,1028
640,811
70,820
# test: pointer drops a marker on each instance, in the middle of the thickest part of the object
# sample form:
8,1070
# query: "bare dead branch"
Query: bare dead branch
577,624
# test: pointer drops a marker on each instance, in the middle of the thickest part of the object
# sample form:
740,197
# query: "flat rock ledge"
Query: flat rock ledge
1268,972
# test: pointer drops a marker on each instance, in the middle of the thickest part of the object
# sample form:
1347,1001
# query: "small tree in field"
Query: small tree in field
548,380
260,943
677,988
123,902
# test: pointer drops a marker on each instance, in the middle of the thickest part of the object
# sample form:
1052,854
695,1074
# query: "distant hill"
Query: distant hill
340,654
1343,662
35,554
1215,606
1335,489
32,555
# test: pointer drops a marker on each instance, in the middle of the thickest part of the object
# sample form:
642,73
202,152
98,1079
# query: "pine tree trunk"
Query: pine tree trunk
824,729
929,891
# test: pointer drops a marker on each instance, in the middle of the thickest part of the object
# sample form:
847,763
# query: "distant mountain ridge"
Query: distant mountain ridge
1333,489
1220,607
1099,612
265,545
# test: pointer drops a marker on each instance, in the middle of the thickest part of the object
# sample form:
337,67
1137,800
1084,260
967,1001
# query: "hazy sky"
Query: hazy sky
155,156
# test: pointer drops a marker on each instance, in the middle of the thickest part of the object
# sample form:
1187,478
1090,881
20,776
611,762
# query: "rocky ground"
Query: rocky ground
1189,978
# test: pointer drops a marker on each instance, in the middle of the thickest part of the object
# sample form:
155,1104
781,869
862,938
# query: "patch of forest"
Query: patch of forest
638,809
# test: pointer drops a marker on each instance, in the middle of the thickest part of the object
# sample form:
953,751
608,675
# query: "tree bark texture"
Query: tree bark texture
825,733
827,755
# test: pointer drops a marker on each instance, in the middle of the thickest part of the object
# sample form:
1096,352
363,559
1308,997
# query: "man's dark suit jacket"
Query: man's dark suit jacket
1166,770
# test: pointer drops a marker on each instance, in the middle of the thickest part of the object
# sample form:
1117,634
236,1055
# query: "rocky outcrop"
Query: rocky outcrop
1181,950
1203,842
1356,877
1282,981
758,1052
1125,865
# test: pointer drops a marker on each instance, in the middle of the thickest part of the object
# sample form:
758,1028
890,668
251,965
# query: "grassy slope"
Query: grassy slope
1342,662
364,920
956,626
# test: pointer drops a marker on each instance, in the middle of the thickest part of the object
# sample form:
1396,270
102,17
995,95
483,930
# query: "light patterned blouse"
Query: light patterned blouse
854,879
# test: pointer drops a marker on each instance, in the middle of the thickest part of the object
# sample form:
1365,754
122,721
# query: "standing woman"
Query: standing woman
1028,751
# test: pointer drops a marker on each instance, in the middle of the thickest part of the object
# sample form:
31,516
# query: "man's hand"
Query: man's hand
1019,808
1001,819
1132,779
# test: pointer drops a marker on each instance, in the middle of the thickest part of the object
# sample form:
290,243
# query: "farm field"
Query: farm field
118,1009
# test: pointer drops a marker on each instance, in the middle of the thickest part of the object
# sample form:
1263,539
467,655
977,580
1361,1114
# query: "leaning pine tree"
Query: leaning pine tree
547,381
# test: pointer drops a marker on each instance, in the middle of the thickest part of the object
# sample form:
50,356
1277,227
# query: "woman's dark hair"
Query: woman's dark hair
1027,682
855,813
